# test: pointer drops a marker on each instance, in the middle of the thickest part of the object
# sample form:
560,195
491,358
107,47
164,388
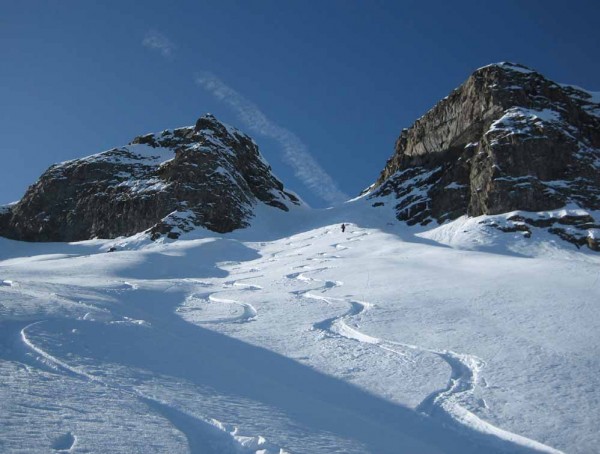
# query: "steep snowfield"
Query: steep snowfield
292,336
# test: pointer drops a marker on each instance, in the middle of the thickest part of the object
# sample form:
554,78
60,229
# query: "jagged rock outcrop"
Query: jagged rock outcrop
507,139
209,175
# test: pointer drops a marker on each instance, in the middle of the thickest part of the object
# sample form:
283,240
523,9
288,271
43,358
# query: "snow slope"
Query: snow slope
292,336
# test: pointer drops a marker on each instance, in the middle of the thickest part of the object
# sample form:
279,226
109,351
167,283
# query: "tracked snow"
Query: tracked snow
292,336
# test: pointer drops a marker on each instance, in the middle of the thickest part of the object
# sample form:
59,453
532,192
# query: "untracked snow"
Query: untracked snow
293,337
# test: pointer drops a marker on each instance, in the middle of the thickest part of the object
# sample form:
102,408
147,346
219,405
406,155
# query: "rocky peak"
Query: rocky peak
209,175
507,139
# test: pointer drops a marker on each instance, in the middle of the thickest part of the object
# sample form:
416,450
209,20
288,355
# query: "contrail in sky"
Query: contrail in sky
295,152
157,41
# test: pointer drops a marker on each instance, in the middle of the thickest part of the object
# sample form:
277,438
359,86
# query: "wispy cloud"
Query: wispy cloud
295,152
157,41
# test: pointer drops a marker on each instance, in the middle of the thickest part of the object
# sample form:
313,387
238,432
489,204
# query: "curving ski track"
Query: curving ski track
442,404
248,314
203,434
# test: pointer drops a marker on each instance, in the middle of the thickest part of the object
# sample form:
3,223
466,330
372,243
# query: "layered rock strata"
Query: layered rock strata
508,139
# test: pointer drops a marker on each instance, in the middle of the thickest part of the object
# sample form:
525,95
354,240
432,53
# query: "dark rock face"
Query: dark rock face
508,139
210,175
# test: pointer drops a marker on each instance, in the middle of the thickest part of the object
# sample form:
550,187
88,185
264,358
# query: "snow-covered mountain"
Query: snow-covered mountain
208,175
506,140
229,317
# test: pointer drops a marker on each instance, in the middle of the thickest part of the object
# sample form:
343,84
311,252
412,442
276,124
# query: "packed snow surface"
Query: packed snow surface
293,337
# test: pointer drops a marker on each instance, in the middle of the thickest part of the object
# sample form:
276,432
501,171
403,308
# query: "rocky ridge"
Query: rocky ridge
209,175
507,140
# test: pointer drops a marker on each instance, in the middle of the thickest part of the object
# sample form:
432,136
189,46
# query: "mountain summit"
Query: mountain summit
507,139
208,175
508,143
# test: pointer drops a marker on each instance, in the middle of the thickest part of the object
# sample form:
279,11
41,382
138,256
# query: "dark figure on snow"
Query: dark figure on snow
343,228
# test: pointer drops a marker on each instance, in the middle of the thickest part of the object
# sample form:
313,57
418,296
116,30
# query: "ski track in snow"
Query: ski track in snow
443,404
249,313
51,360
203,434
246,286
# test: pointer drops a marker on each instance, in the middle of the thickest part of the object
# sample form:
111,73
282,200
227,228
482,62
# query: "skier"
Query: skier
343,228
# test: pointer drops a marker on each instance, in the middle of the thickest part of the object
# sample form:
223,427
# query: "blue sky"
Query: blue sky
335,81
